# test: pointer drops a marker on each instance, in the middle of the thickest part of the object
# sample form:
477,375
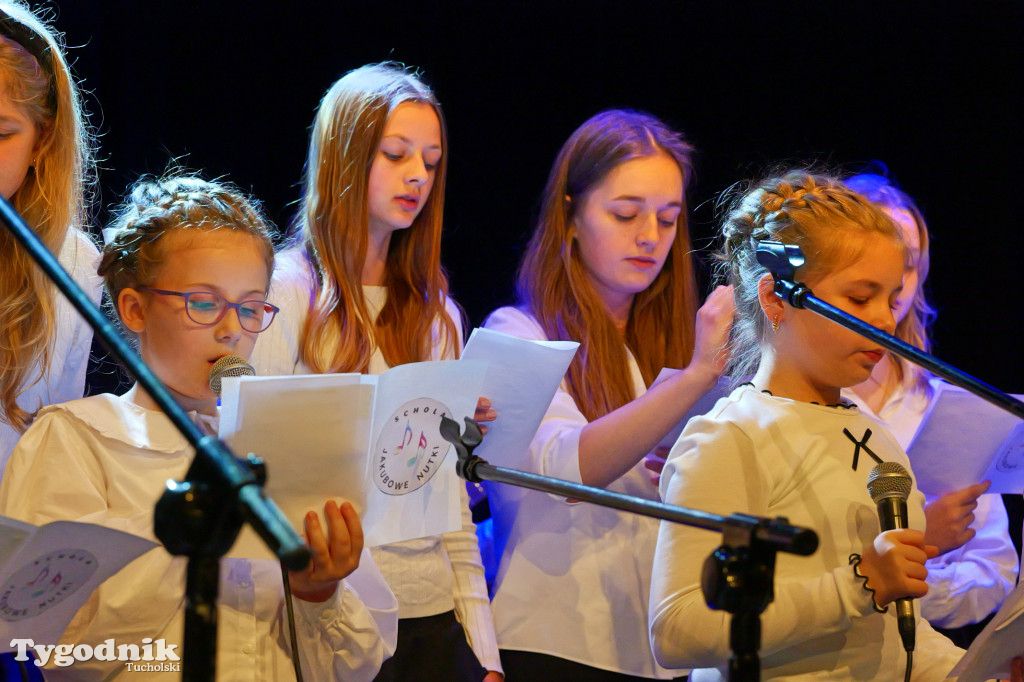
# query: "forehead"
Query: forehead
414,120
908,228
656,176
202,253
873,258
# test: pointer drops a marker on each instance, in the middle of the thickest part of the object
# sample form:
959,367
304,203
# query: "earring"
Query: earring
775,323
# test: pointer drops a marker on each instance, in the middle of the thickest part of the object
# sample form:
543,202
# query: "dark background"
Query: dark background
931,89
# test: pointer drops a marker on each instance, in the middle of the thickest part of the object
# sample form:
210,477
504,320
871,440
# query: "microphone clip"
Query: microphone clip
783,260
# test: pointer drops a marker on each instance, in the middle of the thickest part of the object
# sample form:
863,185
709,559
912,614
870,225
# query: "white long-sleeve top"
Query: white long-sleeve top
105,460
64,379
766,456
430,575
573,580
968,583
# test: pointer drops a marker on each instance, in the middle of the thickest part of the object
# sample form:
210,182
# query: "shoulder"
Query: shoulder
112,417
293,273
80,257
517,322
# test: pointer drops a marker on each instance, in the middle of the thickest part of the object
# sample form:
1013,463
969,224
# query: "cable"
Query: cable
291,624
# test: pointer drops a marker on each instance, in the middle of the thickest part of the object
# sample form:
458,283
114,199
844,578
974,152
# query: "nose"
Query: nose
648,235
416,172
229,329
885,318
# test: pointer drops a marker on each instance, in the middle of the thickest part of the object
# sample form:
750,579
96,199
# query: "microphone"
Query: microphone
229,366
889,485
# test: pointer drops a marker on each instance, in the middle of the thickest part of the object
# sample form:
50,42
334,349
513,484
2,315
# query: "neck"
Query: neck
784,382
375,265
138,396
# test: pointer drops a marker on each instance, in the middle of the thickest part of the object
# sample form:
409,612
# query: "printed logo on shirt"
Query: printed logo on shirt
45,582
410,448
150,656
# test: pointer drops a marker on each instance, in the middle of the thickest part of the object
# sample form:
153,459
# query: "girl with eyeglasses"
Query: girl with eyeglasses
187,270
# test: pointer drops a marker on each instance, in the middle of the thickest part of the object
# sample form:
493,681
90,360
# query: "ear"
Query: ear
131,309
772,305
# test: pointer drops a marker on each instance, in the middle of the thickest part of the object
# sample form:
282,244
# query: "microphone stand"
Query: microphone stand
737,577
782,260
200,516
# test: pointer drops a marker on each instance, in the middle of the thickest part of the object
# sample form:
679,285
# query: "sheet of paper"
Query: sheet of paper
702,406
522,378
52,571
412,488
312,432
963,440
319,434
995,648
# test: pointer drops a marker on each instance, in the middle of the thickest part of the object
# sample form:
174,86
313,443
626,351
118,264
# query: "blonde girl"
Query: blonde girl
977,564
45,172
188,270
787,445
362,290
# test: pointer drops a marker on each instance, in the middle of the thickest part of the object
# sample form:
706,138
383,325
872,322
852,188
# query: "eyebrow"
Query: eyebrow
406,140
641,200
872,285
217,290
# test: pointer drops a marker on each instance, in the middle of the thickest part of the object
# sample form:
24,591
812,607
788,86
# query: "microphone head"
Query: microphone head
889,479
229,366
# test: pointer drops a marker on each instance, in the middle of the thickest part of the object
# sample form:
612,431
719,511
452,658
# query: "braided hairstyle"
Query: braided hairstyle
133,255
816,212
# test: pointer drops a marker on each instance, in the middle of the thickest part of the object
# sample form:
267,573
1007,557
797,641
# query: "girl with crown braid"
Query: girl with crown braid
45,169
786,445
187,270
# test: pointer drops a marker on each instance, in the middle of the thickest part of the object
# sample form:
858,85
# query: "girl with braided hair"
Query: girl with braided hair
45,169
187,269
785,444
609,265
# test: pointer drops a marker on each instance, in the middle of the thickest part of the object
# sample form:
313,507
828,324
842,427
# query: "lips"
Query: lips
642,262
874,355
408,202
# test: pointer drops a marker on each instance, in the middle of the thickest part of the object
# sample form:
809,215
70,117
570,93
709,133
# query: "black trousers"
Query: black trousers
525,666
431,649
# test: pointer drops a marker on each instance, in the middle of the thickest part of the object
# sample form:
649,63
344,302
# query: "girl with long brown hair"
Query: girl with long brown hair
609,265
361,289
45,169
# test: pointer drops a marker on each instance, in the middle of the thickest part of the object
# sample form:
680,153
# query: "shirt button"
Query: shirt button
244,583
248,648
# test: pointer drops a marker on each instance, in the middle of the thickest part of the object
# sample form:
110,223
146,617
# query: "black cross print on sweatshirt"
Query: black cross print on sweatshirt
858,444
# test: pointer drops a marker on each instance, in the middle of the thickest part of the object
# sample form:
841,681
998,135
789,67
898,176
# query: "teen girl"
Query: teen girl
362,290
786,445
45,165
187,271
977,564
609,265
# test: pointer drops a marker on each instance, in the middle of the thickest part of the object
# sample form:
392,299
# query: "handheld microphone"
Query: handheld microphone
229,366
889,485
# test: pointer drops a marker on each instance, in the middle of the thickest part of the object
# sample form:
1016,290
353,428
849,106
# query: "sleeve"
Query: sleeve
714,467
472,604
967,584
54,474
555,449
276,352
349,636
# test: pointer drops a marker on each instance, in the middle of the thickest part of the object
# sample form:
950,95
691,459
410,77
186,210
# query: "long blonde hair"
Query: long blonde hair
333,228
553,285
52,199
913,328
